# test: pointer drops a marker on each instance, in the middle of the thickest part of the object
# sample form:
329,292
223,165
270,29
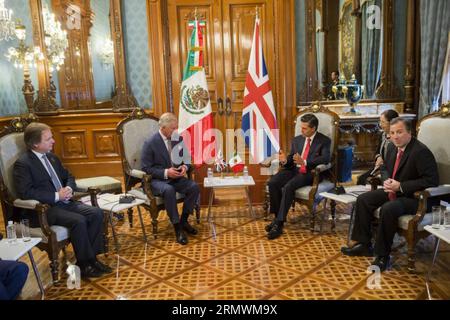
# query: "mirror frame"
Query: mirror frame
122,101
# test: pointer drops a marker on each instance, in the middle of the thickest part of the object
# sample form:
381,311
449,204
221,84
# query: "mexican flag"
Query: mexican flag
195,114
236,164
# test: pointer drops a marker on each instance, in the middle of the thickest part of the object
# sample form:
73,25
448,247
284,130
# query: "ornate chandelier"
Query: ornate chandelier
6,23
55,39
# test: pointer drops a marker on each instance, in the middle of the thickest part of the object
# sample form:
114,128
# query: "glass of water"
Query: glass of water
25,227
436,212
446,214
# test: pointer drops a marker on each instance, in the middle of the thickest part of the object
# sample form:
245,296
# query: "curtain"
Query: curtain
446,77
320,44
371,51
435,26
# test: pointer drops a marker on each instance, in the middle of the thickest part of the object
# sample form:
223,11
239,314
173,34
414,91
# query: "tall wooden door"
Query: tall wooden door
228,38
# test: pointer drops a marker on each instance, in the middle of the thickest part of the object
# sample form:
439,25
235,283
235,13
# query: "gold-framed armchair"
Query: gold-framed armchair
133,131
431,131
54,238
324,175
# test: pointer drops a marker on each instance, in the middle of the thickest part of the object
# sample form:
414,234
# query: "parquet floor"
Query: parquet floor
240,263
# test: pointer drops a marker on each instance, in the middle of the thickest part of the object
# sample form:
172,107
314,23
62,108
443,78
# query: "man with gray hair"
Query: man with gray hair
167,159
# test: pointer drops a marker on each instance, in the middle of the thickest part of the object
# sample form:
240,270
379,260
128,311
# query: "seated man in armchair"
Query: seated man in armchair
308,150
411,167
162,158
39,175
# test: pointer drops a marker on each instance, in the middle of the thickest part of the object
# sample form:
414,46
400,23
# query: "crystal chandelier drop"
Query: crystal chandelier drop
55,39
23,56
6,23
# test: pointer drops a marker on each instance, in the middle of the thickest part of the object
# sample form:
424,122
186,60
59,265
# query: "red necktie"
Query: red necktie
392,195
305,155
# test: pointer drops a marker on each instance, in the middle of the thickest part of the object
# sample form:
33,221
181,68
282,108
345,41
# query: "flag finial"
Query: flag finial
257,12
195,13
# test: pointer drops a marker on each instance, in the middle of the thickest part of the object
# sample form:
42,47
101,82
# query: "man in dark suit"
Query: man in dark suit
308,150
40,175
166,158
411,167
13,275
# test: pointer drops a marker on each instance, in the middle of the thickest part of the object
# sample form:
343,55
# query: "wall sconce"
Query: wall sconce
7,25
106,54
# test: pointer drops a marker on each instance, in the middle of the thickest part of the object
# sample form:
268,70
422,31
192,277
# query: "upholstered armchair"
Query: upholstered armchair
432,131
54,238
132,132
309,195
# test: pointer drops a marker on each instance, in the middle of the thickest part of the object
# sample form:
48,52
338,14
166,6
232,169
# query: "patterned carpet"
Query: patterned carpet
240,263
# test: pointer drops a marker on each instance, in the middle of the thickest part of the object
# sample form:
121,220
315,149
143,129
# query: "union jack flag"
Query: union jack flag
259,121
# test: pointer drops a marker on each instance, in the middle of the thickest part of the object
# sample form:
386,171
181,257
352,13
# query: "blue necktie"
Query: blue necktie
53,176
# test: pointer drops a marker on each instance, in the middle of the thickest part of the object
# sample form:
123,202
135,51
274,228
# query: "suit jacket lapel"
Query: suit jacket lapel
38,164
163,145
405,156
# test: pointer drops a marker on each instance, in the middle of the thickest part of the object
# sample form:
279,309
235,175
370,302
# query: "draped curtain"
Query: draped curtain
435,26
320,44
446,77
371,51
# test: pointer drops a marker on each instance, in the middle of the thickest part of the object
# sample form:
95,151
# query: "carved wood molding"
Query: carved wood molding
123,98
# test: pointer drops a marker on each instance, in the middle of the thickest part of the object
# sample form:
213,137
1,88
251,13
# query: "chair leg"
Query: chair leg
54,267
411,256
130,217
154,216
313,217
197,213
266,205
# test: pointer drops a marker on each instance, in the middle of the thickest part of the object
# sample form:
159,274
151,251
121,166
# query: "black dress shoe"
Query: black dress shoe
179,234
102,267
382,262
360,250
275,232
270,225
189,229
90,272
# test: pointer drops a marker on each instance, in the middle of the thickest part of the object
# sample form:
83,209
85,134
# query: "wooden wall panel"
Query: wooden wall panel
87,143
73,144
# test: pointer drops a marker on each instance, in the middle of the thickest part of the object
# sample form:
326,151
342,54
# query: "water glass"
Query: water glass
436,212
25,227
446,214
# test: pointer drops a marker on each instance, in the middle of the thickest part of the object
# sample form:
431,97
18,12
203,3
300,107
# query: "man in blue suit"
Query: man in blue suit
40,175
308,150
165,157
13,275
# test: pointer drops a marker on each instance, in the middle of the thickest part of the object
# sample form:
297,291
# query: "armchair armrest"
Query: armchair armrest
26,204
137,173
41,210
323,167
433,192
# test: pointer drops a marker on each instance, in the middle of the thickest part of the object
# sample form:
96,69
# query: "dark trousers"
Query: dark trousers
168,189
13,275
282,188
85,224
390,211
